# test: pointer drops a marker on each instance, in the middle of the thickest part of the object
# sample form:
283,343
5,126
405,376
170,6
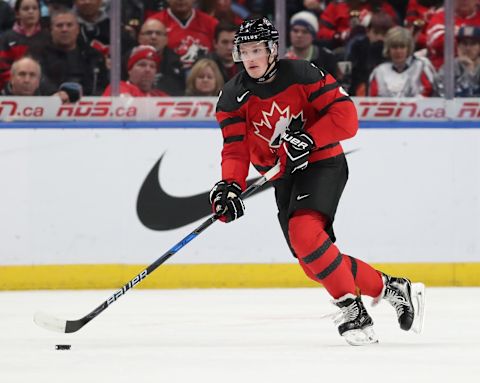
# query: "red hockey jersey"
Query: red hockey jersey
418,18
191,39
253,116
129,89
336,20
13,46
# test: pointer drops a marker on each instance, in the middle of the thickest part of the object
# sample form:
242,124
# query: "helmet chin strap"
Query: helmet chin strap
269,72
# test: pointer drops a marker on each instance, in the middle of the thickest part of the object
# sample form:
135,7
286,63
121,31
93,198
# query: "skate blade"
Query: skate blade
418,300
361,337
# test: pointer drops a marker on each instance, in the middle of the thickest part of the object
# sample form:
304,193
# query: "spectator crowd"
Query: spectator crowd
387,48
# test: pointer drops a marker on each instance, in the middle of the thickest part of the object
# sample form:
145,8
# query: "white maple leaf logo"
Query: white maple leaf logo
274,123
189,49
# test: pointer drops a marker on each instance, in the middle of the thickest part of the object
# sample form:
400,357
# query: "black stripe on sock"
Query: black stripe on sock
318,252
354,266
331,268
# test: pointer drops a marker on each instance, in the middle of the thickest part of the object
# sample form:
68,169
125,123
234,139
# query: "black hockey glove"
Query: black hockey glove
226,201
294,151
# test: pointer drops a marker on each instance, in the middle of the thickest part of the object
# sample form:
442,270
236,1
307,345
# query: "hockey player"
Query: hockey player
295,113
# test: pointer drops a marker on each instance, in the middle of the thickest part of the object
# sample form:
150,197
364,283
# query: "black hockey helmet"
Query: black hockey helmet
256,30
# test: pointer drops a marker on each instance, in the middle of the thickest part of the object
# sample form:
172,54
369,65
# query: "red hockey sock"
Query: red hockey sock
319,257
367,279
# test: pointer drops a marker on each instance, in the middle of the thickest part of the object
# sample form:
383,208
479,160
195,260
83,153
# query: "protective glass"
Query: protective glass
251,51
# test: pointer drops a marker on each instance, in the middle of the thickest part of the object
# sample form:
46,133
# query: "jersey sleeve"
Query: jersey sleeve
338,116
373,84
436,32
327,22
427,78
235,152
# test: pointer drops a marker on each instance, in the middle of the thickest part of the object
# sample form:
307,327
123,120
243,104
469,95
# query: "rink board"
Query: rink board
70,219
214,275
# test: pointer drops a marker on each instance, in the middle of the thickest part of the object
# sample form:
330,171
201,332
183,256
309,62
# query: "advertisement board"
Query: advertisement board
100,196
203,109
89,206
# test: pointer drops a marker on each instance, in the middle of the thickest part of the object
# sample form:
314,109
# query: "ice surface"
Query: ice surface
230,336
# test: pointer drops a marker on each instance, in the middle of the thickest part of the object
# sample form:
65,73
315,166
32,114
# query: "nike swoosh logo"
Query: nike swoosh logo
160,211
302,196
240,98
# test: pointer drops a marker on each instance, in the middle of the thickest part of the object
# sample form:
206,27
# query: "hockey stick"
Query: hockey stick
68,326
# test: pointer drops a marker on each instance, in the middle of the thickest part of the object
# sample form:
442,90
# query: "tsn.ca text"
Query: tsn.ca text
11,110
184,109
398,110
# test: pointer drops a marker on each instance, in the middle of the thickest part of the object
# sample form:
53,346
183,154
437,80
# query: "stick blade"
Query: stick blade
50,322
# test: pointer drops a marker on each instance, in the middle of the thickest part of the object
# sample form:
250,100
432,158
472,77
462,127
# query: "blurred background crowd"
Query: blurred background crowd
387,48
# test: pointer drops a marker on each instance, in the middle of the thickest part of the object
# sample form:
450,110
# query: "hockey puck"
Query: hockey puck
62,347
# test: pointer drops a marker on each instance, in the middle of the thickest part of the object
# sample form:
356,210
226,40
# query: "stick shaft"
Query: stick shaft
72,326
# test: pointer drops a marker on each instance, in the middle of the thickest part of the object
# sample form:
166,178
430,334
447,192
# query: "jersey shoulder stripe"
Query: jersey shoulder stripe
324,110
323,90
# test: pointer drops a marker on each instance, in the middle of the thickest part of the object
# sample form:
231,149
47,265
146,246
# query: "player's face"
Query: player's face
255,58
143,74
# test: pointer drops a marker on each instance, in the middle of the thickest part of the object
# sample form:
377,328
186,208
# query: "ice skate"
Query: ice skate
408,300
355,325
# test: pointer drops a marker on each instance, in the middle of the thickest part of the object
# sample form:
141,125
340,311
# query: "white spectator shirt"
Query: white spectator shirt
416,79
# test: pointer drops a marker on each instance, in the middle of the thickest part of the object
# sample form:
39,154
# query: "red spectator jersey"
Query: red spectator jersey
417,18
189,39
13,46
253,116
336,20
436,33
127,88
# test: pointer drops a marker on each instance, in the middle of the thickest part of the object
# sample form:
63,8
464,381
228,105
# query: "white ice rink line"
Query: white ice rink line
261,335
